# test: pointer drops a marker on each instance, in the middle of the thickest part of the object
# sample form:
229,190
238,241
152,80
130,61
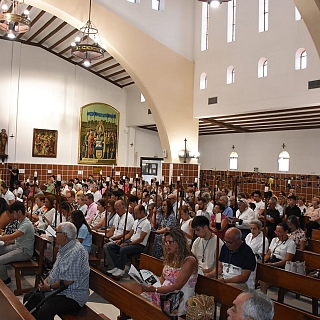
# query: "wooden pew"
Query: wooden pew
31,265
10,306
313,246
311,259
315,234
97,249
290,281
225,294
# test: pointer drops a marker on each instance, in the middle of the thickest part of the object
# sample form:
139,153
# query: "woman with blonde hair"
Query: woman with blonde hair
180,271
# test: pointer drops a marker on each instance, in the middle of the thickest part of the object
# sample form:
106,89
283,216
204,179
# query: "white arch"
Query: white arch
262,67
301,59
230,74
203,81
283,161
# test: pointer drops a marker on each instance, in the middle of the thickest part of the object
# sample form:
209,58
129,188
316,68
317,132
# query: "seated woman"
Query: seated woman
219,208
164,222
255,239
313,213
48,214
180,271
185,224
281,249
66,210
97,221
296,233
83,230
82,204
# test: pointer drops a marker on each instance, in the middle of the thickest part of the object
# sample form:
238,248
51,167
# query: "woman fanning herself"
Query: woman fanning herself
180,271
281,249
83,230
185,224
296,233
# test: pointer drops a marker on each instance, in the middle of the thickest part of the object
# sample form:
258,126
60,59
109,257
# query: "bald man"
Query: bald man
237,263
252,305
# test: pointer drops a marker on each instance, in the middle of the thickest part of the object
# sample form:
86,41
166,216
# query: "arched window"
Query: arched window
233,161
203,81
142,98
301,59
157,5
283,161
262,68
230,74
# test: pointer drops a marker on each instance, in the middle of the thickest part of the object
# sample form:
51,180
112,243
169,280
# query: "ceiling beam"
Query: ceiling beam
42,28
56,30
224,125
70,34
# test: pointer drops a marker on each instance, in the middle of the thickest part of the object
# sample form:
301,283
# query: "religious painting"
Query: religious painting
44,143
98,134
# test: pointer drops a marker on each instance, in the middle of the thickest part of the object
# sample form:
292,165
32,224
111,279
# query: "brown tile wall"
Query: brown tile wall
304,185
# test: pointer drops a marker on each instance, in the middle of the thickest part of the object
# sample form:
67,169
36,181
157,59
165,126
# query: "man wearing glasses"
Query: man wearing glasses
237,263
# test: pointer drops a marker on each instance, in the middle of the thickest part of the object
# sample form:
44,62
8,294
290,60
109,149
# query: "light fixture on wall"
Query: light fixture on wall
214,3
186,153
83,48
11,21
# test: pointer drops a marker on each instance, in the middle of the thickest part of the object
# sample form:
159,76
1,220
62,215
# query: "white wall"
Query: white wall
284,87
46,92
262,150
173,27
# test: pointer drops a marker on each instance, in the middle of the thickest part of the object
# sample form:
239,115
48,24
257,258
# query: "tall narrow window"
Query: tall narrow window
231,33
263,15
233,161
204,26
230,75
142,98
262,68
301,59
283,161
203,81
297,14
134,1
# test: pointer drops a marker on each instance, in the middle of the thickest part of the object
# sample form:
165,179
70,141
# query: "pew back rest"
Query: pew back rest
315,234
311,259
98,242
313,246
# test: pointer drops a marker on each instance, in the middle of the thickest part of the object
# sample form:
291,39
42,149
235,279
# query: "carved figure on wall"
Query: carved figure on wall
3,141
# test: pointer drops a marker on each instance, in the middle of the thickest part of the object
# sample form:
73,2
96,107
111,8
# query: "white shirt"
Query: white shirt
185,226
259,205
18,192
246,216
119,224
139,226
256,243
8,196
205,251
204,213
281,248
97,196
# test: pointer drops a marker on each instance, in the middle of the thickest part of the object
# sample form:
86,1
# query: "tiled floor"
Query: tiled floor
102,306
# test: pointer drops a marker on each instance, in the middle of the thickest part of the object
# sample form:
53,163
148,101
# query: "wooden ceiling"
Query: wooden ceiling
262,121
55,36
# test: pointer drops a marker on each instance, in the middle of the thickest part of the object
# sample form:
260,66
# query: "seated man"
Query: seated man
204,247
252,305
135,241
71,269
18,245
203,209
237,263
6,193
116,231
273,217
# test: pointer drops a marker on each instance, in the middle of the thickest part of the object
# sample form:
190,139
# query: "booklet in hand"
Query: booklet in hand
144,277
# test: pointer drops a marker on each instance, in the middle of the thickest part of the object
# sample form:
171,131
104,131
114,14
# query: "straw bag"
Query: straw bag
200,307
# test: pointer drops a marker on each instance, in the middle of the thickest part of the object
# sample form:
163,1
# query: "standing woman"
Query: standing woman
83,229
164,222
296,233
185,224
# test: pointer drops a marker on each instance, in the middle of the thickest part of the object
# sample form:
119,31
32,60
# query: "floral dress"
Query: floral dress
163,222
170,275
297,236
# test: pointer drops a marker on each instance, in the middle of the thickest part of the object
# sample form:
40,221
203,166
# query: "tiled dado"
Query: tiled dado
187,172
303,184
67,172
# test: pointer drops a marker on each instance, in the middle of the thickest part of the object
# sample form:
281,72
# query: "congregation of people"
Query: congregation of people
187,230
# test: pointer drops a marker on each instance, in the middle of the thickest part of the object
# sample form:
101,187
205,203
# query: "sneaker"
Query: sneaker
113,270
7,281
118,273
